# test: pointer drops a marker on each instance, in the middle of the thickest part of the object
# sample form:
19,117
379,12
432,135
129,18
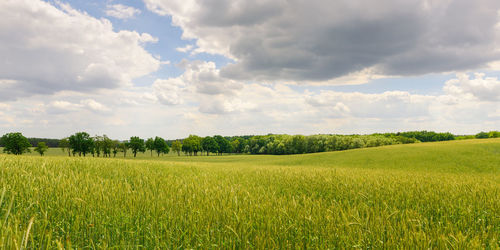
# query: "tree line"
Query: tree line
82,144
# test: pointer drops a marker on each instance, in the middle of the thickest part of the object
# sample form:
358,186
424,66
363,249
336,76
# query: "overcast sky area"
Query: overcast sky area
171,68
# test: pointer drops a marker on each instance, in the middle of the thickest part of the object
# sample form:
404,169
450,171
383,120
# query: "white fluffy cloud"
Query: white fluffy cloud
64,107
169,91
466,105
174,108
484,89
201,79
390,104
206,78
45,49
185,49
317,41
121,11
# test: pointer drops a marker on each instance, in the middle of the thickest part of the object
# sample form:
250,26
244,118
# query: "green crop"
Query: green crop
427,195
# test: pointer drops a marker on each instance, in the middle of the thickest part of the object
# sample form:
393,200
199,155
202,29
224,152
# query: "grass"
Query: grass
427,195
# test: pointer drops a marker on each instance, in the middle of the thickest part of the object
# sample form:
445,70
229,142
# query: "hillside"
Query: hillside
427,195
470,156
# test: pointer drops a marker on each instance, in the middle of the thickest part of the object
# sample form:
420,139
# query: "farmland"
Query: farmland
425,195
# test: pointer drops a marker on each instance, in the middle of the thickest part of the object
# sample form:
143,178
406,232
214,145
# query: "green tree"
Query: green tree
243,146
115,147
235,145
107,146
15,143
192,145
494,134
98,145
160,146
123,147
177,147
150,145
482,135
64,145
224,145
81,143
297,144
137,145
41,148
209,145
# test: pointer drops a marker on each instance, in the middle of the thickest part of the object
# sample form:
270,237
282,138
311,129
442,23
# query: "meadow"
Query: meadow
425,195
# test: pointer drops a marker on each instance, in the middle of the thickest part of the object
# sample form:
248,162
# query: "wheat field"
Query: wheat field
426,195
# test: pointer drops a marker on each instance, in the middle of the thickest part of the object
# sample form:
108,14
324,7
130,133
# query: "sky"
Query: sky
171,68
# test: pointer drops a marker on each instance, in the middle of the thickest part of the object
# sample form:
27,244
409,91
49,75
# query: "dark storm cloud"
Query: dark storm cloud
321,40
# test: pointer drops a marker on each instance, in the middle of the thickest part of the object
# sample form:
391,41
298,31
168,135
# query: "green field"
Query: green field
426,195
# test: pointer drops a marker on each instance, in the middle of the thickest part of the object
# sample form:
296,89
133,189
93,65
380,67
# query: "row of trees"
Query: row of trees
216,145
424,136
82,143
299,144
491,134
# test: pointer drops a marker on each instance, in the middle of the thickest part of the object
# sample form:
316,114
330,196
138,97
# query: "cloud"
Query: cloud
4,106
199,79
169,92
224,105
389,104
202,84
95,106
121,11
254,108
278,108
185,49
206,78
60,107
46,49
484,89
321,41
64,107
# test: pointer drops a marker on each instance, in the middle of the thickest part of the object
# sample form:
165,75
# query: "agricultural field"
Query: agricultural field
425,195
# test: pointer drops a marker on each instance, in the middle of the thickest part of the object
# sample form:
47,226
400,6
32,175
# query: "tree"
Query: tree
81,143
150,145
295,144
494,134
15,143
186,149
242,146
482,135
235,145
192,144
209,145
160,146
116,147
64,145
224,145
98,145
41,148
106,146
177,147
103,144
137,145
123,147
